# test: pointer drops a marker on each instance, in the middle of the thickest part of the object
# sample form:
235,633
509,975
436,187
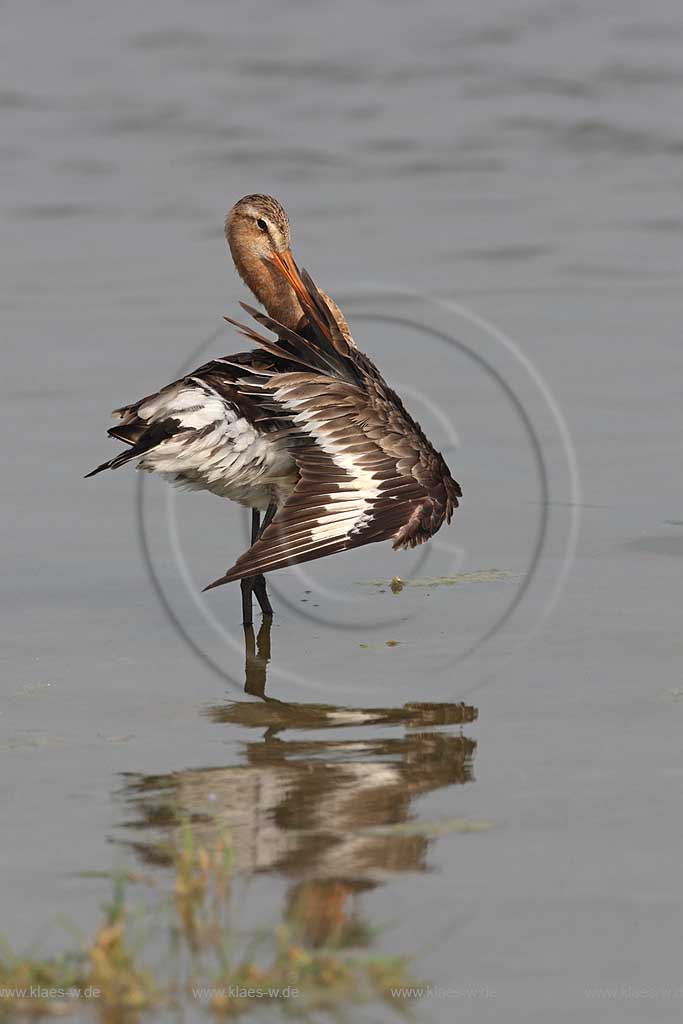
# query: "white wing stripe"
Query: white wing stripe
361,489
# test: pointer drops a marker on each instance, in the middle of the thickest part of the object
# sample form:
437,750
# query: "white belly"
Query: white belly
221,452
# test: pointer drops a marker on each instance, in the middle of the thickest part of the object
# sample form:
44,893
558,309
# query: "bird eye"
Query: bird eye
261,224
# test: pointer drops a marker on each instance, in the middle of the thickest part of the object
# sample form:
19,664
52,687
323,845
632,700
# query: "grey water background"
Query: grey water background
524,159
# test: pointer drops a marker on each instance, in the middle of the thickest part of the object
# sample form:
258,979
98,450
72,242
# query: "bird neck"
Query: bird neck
271,289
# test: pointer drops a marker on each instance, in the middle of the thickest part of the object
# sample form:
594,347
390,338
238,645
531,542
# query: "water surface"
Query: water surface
523,160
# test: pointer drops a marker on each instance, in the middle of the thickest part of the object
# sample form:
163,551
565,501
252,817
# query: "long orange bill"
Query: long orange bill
285,263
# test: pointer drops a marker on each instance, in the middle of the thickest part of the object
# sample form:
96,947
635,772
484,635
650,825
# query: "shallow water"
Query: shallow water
523,161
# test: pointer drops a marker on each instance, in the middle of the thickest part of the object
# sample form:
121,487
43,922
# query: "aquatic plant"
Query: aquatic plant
210,960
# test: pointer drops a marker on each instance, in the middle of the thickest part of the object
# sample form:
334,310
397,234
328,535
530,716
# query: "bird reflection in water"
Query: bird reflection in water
333,816
256,657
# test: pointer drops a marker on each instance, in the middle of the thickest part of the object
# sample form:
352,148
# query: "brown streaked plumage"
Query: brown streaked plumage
305,425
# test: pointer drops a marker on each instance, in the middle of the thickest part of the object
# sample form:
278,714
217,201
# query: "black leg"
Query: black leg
247,586
255,524
257,584
268,518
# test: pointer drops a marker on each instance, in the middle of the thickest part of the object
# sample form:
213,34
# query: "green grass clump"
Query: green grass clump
314,961
33,985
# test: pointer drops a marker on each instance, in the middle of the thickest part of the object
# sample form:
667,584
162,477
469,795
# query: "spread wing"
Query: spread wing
350,492
366,470
362,478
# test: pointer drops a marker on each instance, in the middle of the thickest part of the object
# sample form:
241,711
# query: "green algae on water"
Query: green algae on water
397,585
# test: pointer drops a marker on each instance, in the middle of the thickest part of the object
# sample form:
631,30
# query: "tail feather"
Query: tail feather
148,438
130,433
118,460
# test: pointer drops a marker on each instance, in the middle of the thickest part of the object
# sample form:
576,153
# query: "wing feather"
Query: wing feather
350,491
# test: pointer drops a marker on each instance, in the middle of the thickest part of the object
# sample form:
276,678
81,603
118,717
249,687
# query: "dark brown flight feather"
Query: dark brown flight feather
367,472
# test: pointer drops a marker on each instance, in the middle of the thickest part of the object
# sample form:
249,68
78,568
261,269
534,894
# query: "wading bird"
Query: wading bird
304,428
